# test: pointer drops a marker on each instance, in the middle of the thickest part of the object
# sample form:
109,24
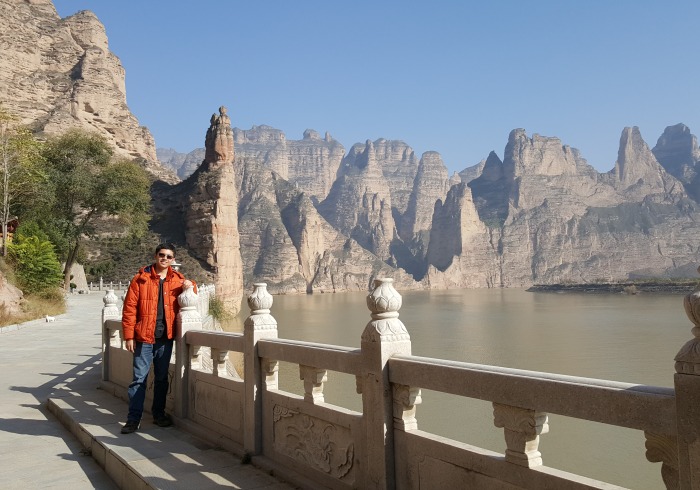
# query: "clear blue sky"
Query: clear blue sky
453,77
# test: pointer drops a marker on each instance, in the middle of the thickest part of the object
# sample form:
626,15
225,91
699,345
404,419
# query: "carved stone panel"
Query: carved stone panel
314,442
218,404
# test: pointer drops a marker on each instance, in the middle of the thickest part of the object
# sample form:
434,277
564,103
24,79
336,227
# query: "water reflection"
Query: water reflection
612,336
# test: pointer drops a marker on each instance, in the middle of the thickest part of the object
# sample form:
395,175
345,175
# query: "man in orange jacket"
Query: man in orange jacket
148,324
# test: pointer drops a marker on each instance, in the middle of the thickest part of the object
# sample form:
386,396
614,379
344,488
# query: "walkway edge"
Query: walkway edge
155,457
117,469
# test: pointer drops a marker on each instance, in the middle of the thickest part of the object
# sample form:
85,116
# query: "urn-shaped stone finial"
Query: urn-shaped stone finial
260,301
188,299
384,301
110,298
688,358
110,309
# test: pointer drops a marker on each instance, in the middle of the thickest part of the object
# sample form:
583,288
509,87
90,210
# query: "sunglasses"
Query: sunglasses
164,256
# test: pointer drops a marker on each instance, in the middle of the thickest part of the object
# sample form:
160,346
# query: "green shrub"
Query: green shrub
34,260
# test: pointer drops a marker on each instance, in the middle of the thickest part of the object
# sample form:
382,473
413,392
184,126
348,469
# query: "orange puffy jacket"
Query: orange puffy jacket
141,304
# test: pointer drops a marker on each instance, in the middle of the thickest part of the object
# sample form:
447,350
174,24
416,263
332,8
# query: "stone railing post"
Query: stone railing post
110,311
384,336
188,318
259,325
687,385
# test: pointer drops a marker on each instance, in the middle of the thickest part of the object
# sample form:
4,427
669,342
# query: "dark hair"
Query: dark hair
166,246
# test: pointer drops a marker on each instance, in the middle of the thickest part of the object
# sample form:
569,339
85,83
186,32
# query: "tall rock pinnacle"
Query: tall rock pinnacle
218,143
212,215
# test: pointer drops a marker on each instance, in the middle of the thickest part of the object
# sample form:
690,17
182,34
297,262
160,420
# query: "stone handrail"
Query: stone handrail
318,445
216,340
648,408
333,357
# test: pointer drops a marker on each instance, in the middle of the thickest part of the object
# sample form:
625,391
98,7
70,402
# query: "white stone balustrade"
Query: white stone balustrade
316,444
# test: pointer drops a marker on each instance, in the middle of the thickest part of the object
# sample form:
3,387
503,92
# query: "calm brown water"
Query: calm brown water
617,337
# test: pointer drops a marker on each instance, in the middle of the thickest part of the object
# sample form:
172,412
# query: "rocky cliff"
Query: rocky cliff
677,151
288,244
310,164
552,218
183,164
540,215
58,73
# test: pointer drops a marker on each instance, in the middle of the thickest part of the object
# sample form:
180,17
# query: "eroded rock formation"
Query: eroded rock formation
359,203
211,215
311,163
57,74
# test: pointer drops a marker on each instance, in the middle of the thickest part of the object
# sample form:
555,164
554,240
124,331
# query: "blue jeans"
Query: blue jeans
159,354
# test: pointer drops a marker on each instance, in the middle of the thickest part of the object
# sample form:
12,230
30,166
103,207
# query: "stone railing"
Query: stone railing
318,445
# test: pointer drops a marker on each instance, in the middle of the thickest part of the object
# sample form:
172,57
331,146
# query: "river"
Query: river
629,338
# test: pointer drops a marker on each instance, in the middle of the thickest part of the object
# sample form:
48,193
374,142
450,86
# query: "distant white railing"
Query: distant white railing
318,445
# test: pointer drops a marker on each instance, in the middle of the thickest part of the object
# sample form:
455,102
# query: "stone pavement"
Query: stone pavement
60,362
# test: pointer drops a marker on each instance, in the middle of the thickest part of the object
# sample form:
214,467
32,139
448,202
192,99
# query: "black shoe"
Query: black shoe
162,420
130,426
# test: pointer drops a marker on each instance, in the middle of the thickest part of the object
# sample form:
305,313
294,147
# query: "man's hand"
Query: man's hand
186,284
131,345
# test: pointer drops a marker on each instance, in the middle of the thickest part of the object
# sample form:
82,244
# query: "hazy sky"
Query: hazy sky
454,77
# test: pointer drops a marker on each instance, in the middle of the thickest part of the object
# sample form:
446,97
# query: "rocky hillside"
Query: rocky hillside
541,214
58,73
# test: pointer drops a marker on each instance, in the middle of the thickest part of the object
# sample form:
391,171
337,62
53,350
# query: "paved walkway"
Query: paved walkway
61,361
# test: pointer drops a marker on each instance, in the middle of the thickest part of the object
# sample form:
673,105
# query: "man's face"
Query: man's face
163,258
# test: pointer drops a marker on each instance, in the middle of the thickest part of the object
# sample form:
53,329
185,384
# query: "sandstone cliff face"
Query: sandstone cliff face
540,215
183,164
57,74
677,151
311,163
359,203
430,186
552,218
462,252
637,171
288,244
211,214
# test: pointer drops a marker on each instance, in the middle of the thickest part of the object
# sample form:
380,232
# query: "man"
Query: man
148,323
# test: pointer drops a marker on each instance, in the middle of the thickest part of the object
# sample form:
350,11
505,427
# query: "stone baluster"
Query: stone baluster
687,385
110,311
522,428
271,368
218,359
313,383
405,400
259,325
661,448
186,358
383,337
